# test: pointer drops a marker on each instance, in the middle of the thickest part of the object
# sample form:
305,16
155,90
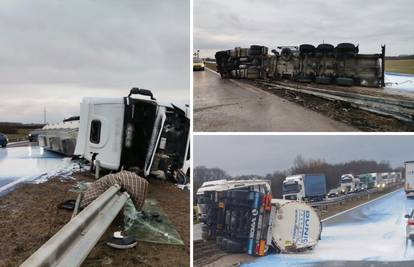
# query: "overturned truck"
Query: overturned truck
241,216
324,64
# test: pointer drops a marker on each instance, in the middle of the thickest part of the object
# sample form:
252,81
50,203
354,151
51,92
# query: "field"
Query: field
21,135
400,66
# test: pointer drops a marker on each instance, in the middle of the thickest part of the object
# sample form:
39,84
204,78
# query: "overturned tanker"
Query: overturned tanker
324,64
241,216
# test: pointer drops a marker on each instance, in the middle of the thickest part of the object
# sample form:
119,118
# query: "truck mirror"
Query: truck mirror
138,91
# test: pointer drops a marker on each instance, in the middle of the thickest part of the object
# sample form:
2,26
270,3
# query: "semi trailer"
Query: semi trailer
409,179
305,187
241,216
323,64
133,132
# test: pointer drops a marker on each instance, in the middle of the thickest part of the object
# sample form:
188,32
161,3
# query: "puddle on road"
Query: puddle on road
18,164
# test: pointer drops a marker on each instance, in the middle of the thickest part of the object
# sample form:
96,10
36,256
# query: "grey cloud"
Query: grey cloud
272,23
93,46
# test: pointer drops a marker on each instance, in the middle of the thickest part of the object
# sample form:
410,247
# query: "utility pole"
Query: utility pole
44,115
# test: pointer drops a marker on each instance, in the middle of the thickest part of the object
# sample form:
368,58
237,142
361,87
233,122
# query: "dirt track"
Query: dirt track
29,217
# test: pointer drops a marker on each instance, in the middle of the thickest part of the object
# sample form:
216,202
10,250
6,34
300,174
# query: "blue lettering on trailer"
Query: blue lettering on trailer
254,214
305,230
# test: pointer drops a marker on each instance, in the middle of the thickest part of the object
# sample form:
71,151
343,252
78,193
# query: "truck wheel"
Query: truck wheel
325,48
344,81
205,236
323,80
234,247
286,54
306,49
347,49
219,241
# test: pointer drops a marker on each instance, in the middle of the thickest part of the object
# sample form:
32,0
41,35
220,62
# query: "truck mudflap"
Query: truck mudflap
260,224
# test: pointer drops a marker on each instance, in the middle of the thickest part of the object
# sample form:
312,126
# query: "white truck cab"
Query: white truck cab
304,187
126,132
349,183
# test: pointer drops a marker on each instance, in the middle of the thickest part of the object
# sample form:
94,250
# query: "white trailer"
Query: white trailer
409,179
60,137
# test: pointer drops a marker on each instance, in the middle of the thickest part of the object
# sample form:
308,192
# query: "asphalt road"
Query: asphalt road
369,235
22,143
232,106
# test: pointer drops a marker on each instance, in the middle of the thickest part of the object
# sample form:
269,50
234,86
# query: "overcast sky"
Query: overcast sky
265,154
370,23
55,52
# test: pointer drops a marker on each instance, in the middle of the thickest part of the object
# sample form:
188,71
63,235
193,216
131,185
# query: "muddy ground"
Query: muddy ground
29,217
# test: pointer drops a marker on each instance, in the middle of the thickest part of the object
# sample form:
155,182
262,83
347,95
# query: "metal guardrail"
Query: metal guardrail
72,244
353,196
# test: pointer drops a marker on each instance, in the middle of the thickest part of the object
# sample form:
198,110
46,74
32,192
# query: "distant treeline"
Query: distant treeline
12,127
332,172
402,57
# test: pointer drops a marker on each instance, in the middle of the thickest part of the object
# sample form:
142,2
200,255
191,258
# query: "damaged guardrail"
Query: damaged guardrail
72,244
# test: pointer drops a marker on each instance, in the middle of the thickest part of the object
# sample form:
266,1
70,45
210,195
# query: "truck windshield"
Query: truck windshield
289,188
346,180
197,60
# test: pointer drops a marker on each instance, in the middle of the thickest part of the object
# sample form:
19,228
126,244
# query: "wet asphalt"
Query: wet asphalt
232,106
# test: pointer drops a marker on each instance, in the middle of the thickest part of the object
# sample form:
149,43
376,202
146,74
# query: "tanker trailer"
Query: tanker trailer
242,217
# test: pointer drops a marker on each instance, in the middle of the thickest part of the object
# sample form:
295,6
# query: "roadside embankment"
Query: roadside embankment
29,217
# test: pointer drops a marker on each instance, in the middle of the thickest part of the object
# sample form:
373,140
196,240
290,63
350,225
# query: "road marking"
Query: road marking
345,211
213,71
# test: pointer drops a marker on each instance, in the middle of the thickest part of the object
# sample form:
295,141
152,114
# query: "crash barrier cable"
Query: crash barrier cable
70,246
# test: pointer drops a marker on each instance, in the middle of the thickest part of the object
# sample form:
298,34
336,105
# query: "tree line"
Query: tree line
300,165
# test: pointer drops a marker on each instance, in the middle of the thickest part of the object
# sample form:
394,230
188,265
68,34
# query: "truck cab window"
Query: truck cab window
95,134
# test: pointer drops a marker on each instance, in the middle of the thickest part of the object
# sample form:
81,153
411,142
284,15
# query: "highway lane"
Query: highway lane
28,163
229,105
369,235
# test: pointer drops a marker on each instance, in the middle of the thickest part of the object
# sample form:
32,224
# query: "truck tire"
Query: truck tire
234,247
346,48
255,52
286,54
344,81
325,48
256,47
306,49
303,79
219,241
323,80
